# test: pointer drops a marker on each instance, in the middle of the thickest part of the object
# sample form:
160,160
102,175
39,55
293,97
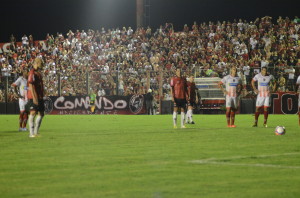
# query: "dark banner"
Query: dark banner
284,103
64,105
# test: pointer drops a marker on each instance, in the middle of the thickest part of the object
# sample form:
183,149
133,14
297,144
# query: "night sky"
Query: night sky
39,17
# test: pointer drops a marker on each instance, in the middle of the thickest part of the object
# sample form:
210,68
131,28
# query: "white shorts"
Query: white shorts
263,101
22,104
231,102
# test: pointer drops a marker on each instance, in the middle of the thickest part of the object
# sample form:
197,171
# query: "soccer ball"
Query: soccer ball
279,130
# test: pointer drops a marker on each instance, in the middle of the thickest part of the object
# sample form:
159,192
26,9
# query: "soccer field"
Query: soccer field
143,156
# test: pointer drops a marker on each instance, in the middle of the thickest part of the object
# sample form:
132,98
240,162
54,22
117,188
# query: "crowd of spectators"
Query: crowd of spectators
124,61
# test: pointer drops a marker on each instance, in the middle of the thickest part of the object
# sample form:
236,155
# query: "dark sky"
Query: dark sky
39,17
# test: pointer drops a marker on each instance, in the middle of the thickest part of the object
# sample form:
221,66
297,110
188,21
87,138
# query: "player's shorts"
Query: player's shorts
191,103
231,102
92,103
263,101
30,106
179,103
22,104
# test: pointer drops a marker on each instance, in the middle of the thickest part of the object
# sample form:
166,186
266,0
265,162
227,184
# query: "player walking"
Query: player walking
192,100
179,96
233,86
298,88
264,84
21,84
35,97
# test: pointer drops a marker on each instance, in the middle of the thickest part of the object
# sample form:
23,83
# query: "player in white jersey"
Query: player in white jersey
263,91
298,88
21,84
233,86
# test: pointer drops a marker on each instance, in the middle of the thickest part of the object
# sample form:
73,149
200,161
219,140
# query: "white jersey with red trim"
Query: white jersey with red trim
21,82
263,84
231,84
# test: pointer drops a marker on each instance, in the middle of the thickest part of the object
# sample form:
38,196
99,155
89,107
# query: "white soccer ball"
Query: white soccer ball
279,130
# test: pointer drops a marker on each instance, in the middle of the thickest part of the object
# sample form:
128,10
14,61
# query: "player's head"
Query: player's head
233,71
263,71
191,78
38,63
178,72
24,73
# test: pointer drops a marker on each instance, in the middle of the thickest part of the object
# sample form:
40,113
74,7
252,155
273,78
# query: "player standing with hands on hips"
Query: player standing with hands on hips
21,83
264,80
35,97
179,96
233,87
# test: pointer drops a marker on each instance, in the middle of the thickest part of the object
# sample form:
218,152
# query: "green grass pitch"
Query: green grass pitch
143,156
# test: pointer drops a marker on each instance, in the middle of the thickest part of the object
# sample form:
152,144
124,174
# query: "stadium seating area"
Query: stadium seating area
131,59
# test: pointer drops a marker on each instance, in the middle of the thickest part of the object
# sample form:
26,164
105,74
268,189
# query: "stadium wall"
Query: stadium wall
281,103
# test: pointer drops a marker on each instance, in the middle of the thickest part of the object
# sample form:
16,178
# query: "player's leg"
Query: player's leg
38,122
228,110
31,123
233,110
259,104
175,109
182,109
190,113
22,109
266,110
25,118
299,115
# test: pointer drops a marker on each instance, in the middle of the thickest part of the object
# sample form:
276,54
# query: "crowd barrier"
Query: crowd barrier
281,103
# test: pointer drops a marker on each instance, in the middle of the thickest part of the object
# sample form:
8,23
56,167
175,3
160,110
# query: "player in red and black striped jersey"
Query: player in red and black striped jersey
35,96
192,100
179,96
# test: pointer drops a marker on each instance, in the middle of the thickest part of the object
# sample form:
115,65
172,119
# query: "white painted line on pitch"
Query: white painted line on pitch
216,161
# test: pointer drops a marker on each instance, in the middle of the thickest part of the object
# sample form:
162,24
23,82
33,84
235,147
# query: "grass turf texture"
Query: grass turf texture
143,156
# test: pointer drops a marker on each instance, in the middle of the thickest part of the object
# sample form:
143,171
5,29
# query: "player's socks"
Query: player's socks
25,117
31,125
182,119
256,118
187,117
299,117
228,118
190,115
37,125
232,115
21,120
174,118
266,113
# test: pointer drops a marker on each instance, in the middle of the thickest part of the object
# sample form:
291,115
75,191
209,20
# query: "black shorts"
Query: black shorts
192,103
92,103
30,106
179,103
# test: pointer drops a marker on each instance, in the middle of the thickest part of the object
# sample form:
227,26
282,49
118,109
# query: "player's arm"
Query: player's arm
274,85
34,94
32,88
222,87
16,90
253,86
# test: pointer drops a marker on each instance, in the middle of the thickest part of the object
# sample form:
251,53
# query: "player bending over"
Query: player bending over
21,84
263,91
179,96
35,97
233,86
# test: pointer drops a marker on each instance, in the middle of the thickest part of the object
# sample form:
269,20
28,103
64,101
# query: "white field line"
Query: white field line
220,161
